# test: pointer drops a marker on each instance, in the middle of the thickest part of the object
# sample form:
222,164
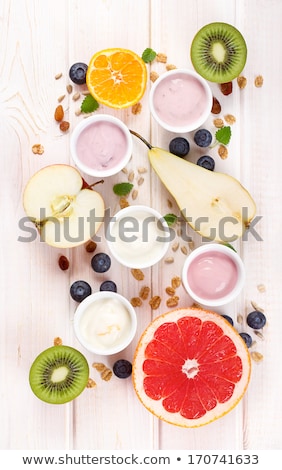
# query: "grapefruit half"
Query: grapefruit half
190,367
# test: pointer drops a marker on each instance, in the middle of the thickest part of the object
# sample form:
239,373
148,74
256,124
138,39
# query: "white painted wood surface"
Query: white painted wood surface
40,39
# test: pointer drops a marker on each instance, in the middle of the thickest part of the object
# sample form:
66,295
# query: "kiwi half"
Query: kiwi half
59,374
218,52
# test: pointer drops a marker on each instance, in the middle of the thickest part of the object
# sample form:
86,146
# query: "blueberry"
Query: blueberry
179,146
79,290
77,73
101,262
256,320
206,162
203,138
247,338
229,319
108,286
122,368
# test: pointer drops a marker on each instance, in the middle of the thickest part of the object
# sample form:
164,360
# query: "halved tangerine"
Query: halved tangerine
190,367
116,77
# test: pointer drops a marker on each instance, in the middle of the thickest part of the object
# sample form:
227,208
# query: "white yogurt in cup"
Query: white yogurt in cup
138,236
105,323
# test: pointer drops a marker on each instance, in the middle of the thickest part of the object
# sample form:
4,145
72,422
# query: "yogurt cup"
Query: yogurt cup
138,236
213,275
105,323
101,145
180,100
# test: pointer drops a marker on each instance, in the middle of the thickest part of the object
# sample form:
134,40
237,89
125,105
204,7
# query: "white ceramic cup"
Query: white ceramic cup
138,236
232,260
112,125
105,323
180,100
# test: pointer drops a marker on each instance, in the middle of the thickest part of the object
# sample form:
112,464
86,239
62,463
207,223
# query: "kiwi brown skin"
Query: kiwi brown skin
214,40
75,374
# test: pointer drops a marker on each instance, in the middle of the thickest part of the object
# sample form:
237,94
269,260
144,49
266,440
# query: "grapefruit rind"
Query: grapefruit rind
107,77
156,406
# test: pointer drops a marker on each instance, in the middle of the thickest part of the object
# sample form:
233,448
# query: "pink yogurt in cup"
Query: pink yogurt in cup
180,100
213,274
101,145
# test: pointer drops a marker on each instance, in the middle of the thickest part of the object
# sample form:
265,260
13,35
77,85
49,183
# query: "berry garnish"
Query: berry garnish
122,368
203,138
206,162
109,286
79,290
256,320
101,262
247,338
77,73
229,319
179,146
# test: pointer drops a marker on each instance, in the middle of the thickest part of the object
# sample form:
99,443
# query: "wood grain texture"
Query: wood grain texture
41,39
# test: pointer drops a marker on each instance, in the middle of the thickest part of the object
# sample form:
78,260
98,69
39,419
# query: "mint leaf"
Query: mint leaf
229,246
89,104
122,189
223,135
148,55
170,219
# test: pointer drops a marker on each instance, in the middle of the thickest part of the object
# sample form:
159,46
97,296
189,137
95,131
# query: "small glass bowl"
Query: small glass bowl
178,94
211,283
138,236
104,143
110,333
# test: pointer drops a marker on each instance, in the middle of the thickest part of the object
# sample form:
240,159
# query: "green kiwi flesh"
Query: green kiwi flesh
59,374
218,52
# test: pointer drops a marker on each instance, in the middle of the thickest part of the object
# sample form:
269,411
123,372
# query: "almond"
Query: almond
216,106
226,88
59,113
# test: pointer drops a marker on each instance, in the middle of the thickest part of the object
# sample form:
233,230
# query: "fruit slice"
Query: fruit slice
116,77
216,205
218,52
59,374
66,212
190,367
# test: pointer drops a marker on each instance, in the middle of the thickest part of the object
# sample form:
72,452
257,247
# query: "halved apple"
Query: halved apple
66,213
216,205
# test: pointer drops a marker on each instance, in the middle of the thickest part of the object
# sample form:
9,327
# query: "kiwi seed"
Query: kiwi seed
59,374
218,52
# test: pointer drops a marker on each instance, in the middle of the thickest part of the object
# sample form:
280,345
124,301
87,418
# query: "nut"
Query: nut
259,81
161,57
91,383
136,108
256,356
172,301
144,292
170,290
176,282
230,119
59,113
106,374
63,263
154,76
99,366
169,260
216,106
58,341
170,67
218,123
175,246
90,246
76,96
60,99
64,126
123,202
58,75
155,302
222,152
226,88
136,302
242,82
69,88
137,274
141,170
140,181
37,149
261,288
131,176
134,194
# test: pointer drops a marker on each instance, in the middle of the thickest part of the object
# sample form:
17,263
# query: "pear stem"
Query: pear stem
141,138
97,182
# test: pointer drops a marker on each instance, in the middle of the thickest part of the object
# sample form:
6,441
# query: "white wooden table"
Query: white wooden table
40,39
